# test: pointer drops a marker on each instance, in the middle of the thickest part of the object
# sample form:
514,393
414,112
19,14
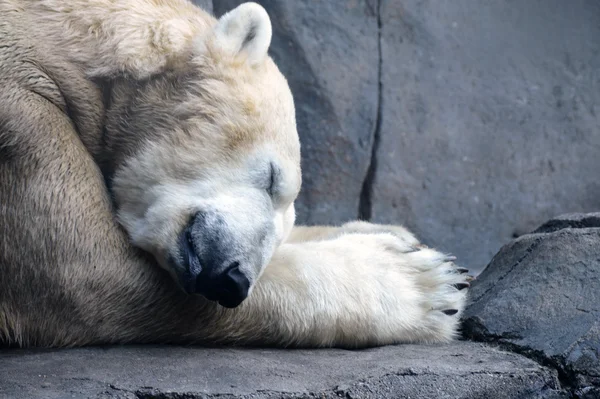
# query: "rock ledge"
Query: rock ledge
459,370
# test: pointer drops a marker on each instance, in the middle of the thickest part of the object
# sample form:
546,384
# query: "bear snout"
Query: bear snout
229,289
208,257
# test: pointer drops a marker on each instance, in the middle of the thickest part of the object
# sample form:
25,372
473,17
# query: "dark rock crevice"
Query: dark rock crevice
463,121
571,221
569,378
365,206
475,330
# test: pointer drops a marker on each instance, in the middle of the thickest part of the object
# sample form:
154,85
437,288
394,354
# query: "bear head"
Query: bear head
204,159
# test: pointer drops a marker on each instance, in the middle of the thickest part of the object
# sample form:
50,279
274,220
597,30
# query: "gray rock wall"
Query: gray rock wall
491,118
469,122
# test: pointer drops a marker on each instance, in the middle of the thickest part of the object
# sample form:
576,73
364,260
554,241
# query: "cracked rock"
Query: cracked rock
459,370
540,296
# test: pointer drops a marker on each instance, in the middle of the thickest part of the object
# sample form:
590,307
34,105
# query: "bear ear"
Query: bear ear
245,30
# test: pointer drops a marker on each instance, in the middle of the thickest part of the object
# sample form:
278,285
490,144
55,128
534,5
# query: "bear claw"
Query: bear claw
461,286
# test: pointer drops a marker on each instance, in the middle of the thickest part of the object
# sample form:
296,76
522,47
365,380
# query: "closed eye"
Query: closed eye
274,177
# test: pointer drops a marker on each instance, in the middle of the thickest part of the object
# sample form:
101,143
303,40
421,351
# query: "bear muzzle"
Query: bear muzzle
210,267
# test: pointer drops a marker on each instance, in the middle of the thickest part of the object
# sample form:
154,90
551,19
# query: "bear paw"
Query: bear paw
444,288
421,292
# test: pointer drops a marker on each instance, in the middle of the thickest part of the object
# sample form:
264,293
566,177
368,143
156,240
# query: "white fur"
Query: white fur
363,289
155,216
233,29
356,285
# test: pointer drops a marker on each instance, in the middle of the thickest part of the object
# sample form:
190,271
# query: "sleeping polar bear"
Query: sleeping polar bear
149,163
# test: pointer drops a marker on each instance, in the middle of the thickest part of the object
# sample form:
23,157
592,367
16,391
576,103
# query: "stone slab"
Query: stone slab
458,370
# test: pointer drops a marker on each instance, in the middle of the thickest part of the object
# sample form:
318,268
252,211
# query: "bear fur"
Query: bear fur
118,121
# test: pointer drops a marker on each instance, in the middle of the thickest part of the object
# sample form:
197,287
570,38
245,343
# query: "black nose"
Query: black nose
229,288
206,269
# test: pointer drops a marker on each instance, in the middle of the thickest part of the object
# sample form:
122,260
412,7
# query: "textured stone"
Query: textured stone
460,370
328,52
490,115
540,296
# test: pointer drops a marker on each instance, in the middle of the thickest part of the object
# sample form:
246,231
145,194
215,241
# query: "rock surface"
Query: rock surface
479,123
540,296
460,370
490,119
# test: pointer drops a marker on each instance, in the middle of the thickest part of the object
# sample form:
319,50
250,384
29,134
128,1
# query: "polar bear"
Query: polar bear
149,163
